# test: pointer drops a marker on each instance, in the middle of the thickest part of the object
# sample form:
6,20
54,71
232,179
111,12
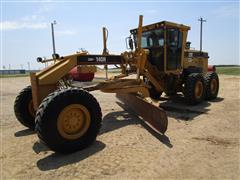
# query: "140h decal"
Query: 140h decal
98,59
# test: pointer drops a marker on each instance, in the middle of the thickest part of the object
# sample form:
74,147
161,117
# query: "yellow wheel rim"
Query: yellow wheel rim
73,121
198,89
213,86
30,108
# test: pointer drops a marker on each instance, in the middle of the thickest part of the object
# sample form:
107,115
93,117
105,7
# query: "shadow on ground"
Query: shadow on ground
56,160
177,108
39,147
25,132
119,119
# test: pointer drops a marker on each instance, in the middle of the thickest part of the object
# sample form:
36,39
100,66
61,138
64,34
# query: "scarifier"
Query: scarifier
68,118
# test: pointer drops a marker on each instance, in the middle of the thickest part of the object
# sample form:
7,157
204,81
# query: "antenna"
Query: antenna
201,23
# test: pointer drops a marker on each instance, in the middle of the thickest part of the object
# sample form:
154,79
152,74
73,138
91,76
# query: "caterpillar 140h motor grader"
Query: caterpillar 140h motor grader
68,119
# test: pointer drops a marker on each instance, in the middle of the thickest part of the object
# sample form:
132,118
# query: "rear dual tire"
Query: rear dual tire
199,87
212,85
194,88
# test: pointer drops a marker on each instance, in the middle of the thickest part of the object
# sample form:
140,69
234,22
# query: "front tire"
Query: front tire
68,120
23,108
194,88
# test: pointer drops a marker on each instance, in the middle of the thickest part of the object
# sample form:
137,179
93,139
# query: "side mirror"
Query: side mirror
129,43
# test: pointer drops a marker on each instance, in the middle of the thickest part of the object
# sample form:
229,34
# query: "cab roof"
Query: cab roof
161,24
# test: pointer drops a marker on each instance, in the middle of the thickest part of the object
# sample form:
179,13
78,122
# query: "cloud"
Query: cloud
34,21
229,11
32,18
45,8
64,32
14,25
151,11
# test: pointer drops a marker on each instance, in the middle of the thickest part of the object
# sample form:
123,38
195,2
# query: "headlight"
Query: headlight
39,59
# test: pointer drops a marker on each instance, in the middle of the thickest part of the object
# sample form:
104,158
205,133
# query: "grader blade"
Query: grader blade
154,115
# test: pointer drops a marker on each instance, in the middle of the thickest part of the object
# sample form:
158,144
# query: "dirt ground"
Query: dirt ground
201,141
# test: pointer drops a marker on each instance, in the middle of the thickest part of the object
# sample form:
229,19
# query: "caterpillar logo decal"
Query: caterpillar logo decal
91,59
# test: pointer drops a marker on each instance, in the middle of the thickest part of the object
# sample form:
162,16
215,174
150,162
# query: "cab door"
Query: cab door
173,49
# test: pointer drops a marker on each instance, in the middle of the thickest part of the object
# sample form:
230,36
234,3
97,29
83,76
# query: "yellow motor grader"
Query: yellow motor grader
159,59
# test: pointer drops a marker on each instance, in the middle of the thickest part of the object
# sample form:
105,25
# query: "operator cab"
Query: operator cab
164,41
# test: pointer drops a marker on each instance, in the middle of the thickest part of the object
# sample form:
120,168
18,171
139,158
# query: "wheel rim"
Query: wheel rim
213,86
198,89
73,121
30,108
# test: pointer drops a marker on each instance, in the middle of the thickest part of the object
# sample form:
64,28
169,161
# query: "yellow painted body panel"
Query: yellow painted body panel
199,61
53,73
196,62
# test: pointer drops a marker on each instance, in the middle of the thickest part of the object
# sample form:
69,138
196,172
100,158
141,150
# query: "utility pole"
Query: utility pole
28,66
53,38
201,23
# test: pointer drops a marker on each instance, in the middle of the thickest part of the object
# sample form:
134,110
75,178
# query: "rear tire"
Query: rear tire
68,120
23,108
212,85
194,88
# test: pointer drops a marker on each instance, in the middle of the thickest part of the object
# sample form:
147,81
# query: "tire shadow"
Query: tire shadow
218,99
57,160
177,108
25,132
39,147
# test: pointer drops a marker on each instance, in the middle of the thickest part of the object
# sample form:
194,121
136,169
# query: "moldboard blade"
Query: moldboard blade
154,115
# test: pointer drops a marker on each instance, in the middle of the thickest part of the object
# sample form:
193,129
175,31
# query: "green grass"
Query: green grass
13,75
229,70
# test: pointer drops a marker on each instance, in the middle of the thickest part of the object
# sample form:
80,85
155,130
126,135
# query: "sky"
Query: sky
26,31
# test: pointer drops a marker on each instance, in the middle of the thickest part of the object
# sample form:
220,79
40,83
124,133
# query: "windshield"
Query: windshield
153,38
